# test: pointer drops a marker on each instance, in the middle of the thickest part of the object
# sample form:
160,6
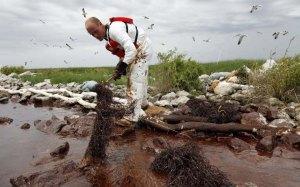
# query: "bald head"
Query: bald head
95,28
92,20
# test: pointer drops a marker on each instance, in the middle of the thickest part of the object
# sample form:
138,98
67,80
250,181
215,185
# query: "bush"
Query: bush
281,81
175,72
12,69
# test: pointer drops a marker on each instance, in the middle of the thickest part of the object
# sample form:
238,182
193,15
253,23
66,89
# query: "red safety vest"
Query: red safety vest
114,47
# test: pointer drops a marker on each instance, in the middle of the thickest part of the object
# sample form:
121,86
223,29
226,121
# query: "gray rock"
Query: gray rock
4,100
5,120
218,75
53,125
162,103
25,126
253,118
201,97
61,151
179,101
238,145
182,93
266,144
238,97
275,102
169,97
282,123
224,88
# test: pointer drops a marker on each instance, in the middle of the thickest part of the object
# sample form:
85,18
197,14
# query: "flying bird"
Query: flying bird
66,62
163,43
146,17
254,8
42,21
69,46
241,37
46,45
285,33
193,38
276,34
207,40
96,52
151,26
72,39
84,13
259,32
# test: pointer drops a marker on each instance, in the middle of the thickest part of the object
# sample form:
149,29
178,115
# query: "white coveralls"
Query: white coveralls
137,59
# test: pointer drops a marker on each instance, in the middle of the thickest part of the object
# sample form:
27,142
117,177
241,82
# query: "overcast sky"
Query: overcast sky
24,37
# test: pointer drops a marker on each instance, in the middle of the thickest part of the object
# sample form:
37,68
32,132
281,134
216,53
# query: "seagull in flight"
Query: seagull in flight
69,46
146,17
207,40
276,34
193,38
254,8
72,39
84,13
151,26
259,32
163,43
66,62
42,21
285,33
241,36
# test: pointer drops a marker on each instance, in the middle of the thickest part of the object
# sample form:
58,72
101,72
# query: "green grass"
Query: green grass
230,65
66,75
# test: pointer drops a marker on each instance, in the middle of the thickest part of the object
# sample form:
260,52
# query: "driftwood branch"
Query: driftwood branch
183,118
205,126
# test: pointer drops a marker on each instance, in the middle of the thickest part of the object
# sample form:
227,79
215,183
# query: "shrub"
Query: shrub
281,81
176,72
12,69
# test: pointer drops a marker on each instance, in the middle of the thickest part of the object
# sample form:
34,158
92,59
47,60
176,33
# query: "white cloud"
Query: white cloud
175,23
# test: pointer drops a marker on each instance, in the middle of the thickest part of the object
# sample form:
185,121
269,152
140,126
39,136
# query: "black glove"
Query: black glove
120,70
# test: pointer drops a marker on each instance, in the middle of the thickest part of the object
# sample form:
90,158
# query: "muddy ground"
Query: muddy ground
26,153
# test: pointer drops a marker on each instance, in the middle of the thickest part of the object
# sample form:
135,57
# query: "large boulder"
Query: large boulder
5,120
179,101
163,103
282,123
238,145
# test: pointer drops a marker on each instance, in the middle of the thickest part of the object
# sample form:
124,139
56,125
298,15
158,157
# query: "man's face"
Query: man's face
96,30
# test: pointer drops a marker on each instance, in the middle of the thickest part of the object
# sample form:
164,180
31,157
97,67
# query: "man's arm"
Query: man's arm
119,34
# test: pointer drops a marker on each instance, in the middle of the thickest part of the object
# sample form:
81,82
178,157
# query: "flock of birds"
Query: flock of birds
151,27
242,36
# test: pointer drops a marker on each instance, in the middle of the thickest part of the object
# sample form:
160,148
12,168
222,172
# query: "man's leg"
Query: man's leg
137,78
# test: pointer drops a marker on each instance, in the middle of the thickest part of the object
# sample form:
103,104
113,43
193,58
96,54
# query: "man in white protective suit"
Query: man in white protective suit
134,50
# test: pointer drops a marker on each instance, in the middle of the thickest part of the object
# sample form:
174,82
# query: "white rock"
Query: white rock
182,93
162,103
224,88
179,101
13,75
170,96
26,73
204,79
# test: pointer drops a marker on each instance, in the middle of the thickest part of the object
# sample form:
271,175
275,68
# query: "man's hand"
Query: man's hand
120,70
